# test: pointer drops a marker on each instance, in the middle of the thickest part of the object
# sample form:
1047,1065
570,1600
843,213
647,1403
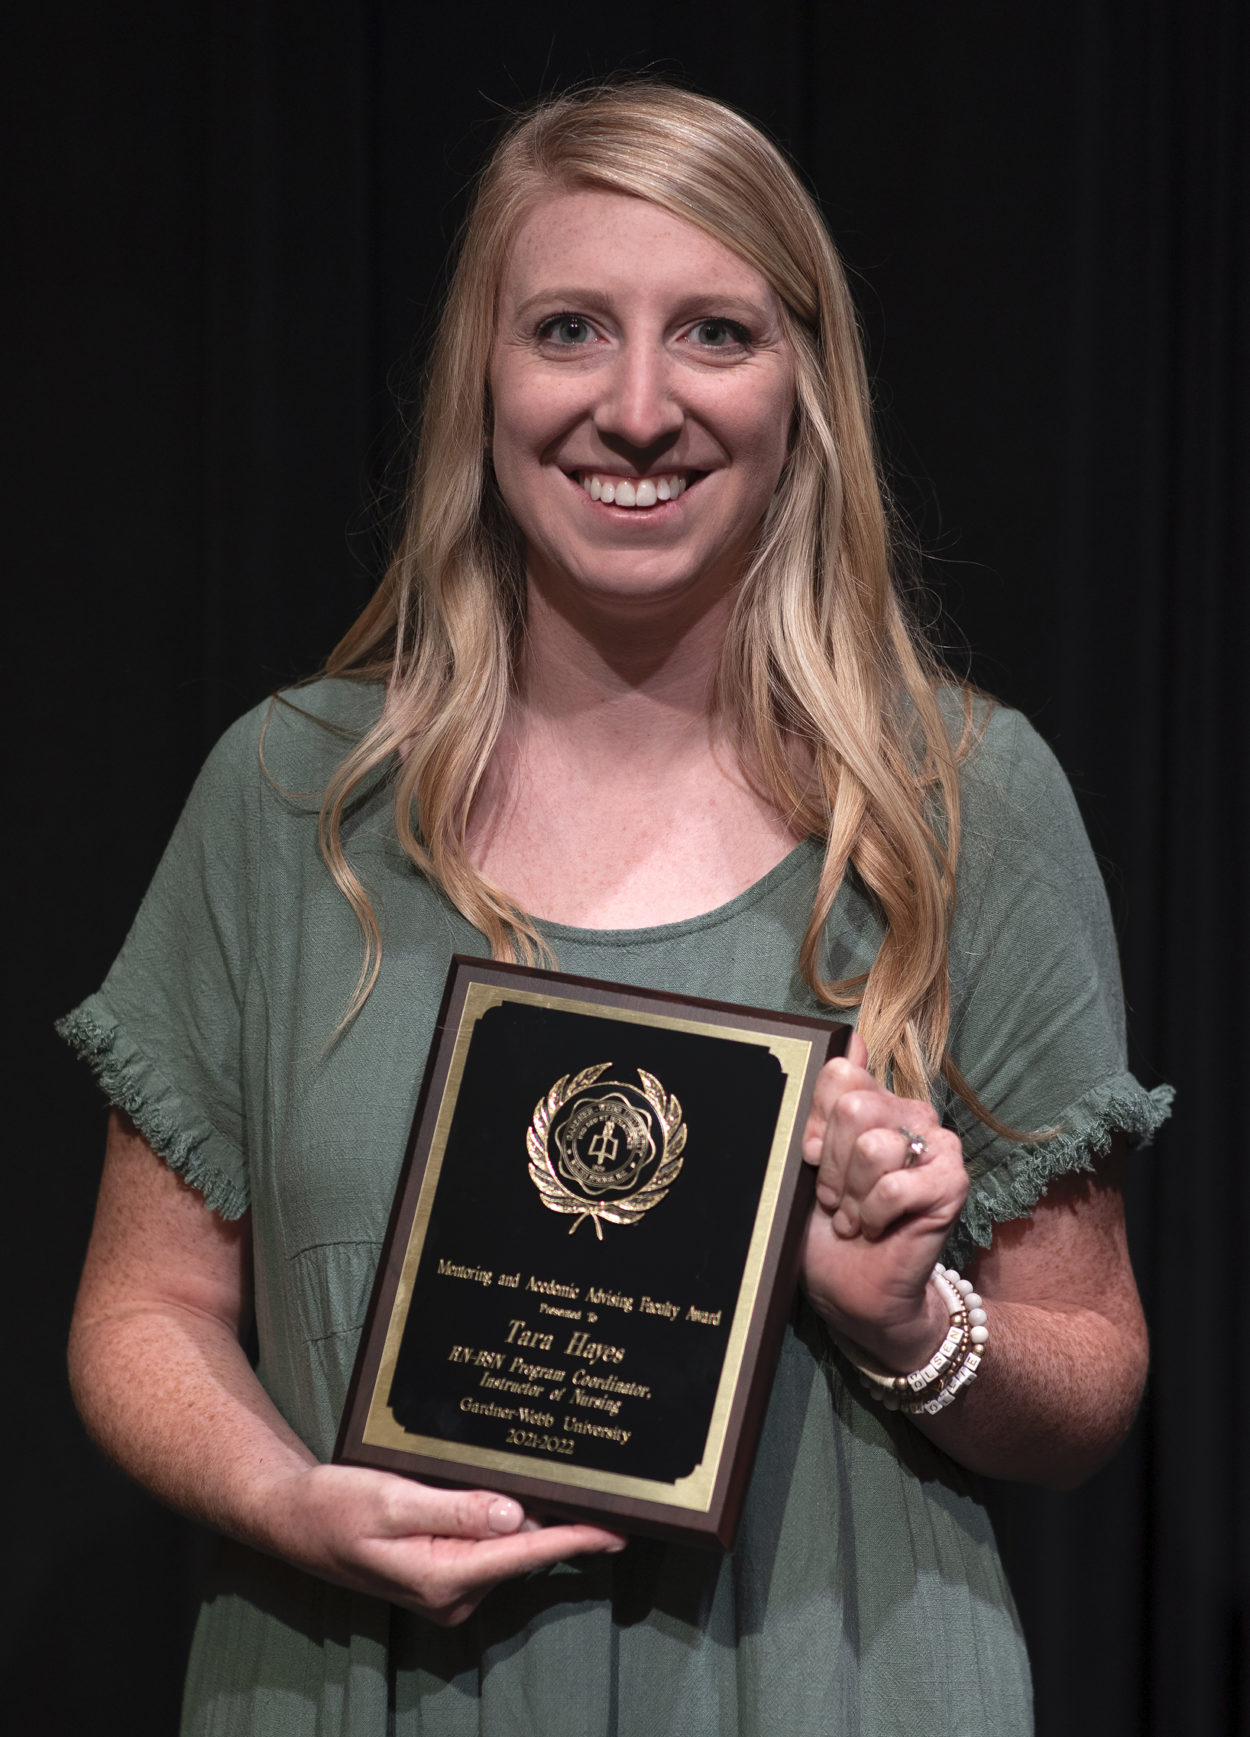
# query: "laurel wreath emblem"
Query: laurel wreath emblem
627,1209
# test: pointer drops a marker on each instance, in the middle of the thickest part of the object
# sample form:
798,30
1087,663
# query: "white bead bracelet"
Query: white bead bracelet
952,1367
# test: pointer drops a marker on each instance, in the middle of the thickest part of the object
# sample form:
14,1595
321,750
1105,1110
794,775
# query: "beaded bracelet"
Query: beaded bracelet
952,1367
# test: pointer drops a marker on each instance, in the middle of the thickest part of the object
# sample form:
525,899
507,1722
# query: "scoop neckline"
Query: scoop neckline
782,871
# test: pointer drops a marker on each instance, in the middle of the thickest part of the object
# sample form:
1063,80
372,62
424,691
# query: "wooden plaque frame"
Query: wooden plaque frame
594,1335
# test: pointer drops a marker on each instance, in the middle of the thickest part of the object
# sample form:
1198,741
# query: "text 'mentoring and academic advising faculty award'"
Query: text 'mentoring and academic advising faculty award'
593,1250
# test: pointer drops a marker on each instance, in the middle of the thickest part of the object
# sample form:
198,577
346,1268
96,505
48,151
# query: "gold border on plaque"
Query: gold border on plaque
696,1490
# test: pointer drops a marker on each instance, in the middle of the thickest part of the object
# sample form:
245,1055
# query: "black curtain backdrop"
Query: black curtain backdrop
229,221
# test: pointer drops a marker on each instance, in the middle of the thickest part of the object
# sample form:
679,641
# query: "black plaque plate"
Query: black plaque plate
593,1250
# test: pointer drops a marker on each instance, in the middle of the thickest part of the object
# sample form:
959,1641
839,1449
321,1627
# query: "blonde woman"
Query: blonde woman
637,694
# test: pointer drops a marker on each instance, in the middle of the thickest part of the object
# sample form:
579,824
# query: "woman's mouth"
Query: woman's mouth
627,491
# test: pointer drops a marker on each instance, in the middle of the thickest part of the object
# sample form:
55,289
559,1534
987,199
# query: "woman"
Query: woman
637,694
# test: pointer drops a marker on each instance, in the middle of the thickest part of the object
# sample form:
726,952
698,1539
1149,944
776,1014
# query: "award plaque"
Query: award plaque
593,1250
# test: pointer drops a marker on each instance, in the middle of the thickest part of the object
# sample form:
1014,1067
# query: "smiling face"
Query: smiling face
642,392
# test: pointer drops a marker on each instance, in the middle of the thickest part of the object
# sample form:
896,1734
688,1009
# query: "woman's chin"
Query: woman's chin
635,590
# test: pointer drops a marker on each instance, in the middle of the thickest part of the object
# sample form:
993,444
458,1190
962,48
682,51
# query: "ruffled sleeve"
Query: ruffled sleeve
163,1034
1037,1022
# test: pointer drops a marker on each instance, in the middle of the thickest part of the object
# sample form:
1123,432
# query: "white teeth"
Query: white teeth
621,492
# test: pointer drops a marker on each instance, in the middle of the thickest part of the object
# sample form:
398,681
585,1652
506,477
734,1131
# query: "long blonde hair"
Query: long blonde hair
819,651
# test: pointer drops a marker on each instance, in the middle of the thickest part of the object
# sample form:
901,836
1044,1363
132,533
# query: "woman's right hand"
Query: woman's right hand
437,1552
164,1298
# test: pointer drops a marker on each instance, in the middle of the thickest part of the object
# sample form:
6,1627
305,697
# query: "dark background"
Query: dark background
229,221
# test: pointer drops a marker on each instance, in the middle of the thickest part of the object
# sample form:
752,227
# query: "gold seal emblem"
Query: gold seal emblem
609,1154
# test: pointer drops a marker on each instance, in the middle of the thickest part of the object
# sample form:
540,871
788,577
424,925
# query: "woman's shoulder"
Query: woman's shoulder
1019,818
297,738
1008,774
990,740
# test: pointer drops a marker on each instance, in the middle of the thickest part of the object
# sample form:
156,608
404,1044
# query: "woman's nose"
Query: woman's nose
638,407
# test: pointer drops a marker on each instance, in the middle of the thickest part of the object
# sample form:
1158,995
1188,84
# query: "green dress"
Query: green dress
864,1596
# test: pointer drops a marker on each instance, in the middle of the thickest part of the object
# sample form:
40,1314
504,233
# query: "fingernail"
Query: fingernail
504,1515
615,1549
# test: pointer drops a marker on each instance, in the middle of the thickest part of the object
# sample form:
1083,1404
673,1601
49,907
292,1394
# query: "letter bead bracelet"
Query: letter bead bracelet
952,1367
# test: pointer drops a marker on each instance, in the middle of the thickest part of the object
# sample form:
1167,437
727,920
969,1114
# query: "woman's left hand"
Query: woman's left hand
882,1214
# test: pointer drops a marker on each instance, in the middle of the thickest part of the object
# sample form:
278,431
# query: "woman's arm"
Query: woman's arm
1067,1353
165,1388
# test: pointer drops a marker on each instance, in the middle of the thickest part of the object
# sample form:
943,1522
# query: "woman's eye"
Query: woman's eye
569,329
720,335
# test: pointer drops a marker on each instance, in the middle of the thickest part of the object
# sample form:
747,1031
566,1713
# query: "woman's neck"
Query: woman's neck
621,681
613,798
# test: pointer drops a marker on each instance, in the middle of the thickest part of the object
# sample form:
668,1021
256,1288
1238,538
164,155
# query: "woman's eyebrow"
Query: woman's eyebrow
706,301
581,298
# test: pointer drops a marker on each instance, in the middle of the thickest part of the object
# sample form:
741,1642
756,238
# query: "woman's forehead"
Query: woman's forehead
592,238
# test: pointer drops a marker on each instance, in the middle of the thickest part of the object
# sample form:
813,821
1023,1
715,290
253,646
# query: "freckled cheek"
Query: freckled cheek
766,460
760,433
527,432
516,439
